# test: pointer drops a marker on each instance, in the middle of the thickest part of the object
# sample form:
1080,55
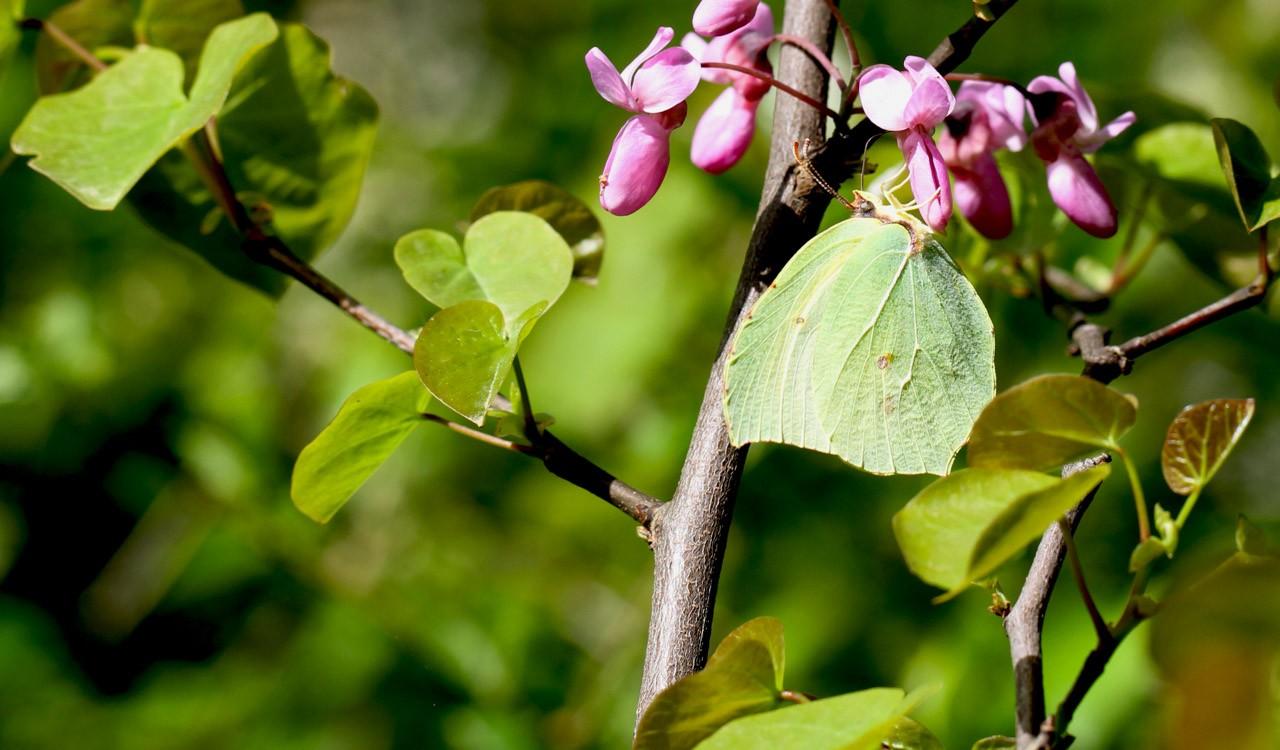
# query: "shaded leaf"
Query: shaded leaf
1248,171
1199,440
182,26
136,111
464,353
572,218
295,139
514,260
870,345
1048,421
964,526
11,11
1250,540
370,425
1147,552
848,722
742,677
909,734
92,23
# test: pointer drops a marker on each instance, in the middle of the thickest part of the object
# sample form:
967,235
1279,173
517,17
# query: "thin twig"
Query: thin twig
1077,569
1239,300
779,85
847,32
66,41
816,55
479,435
526,404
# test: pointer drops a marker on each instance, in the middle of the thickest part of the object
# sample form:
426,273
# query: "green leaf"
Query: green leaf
464,353
848,722
1048,421
1250,540
1147,552
92,23
135,111
370,425
572,218
1199,440
295,139
1248,171
995,743
909,734
182,26
514,260
870,345
742,677
964,526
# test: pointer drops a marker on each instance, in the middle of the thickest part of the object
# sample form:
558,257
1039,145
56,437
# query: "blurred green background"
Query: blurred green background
159,590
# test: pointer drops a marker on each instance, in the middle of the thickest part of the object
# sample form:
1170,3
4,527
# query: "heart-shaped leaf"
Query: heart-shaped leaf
742,677
1248,171
966,525
182,26
870,345
1048,421
1199,440
370,425
295,141
136,111
514,260
855,721
572,218
464,353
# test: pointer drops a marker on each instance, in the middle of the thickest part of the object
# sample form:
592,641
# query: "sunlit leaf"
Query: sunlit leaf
11,11
464,353
370,425
995,743
1199,441
870,345
965,525
295,141
572,218
742,677
1248,171
855,721
136,111
1048,421
93,24
514,260
182,26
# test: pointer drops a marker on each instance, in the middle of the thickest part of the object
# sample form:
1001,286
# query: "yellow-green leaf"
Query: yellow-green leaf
1048,421
572,218
855,721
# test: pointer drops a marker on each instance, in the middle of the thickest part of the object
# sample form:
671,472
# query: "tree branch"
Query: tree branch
689,533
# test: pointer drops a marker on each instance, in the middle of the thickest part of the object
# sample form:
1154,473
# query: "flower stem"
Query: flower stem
987,78
1187,507
847,32
817,55
779,85
1139,500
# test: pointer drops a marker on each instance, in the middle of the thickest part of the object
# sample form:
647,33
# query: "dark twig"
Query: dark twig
1077,570
779,85
66,41
847,33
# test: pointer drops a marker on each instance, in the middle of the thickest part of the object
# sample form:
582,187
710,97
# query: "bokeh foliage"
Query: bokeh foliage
160,590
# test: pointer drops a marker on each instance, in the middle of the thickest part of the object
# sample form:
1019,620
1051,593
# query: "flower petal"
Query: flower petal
660,39
724,132
983,198
703,51
605,77
1005,109
665,80
1076,189
1093,142
929,104
636,166
919,70
719,17
1084,104
884,93
928,173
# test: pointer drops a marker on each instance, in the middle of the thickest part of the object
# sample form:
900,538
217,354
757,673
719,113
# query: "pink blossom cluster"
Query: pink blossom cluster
655,85
982,118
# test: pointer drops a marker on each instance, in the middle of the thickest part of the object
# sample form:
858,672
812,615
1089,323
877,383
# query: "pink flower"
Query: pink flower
719,17
725,130
654,86
1066,129
987,117
910,104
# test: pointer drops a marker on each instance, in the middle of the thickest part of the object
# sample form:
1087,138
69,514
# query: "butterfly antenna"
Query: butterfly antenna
802,158
862,173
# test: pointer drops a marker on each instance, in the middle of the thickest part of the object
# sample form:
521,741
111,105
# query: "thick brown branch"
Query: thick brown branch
689,533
